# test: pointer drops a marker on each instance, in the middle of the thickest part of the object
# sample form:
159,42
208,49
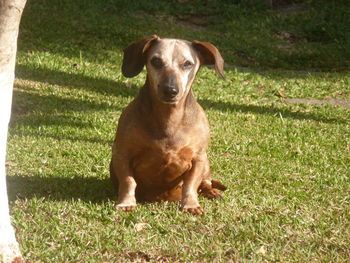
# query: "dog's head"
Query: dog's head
171,64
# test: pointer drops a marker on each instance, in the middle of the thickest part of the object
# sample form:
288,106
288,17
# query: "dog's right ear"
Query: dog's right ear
134,56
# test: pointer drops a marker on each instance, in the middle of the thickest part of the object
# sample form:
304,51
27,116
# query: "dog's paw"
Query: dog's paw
193,210
126,208
211,194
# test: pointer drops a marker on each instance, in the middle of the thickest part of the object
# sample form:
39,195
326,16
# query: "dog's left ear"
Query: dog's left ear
134,56
210,55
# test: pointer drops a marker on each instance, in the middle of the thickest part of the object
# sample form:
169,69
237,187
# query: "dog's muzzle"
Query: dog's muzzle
169,89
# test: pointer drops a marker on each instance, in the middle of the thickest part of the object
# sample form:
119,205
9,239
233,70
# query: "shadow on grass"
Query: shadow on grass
51,103
226,106
70,137
77,81
89,189
33,109
246,34
25,102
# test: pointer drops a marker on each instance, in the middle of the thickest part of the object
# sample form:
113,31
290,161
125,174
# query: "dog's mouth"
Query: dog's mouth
170,100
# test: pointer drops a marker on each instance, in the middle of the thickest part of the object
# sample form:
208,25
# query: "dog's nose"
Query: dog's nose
171,91
168,87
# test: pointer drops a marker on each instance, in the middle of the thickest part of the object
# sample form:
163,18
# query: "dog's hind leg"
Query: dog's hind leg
207,189
218,185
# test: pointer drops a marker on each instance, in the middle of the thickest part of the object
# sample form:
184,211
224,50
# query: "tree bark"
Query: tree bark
10,16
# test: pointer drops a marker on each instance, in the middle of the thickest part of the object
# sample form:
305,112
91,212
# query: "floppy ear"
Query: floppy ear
134,56
210,55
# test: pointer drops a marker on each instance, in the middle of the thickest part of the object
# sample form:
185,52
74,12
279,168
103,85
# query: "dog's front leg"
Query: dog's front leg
127,185
191,182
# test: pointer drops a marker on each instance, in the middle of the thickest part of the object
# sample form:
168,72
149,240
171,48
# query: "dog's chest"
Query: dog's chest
162,165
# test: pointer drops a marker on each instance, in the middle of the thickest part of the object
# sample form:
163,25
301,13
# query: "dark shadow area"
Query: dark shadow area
70,137
36,110
248,35
77,81
88,189
50,103
47,120
268,110
70,27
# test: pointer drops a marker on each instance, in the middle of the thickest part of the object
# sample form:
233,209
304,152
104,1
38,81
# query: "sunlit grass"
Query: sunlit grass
286,165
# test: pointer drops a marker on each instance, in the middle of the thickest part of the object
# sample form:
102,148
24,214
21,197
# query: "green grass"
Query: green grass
286,165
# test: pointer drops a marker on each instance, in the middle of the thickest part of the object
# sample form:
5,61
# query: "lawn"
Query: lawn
286,165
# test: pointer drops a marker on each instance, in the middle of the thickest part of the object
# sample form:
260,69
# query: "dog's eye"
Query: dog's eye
157,63
187,65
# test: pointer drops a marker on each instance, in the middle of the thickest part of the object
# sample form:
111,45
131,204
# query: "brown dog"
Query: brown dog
160,148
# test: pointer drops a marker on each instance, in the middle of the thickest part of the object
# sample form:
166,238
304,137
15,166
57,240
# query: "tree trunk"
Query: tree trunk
10,16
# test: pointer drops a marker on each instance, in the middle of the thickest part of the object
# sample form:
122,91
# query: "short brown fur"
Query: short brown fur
160,148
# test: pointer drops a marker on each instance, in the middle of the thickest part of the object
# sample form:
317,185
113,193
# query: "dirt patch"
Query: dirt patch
288,37
196,22
333,102
289,40
139,256
290,9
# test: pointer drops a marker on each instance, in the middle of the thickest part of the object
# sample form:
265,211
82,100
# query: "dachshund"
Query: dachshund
159,152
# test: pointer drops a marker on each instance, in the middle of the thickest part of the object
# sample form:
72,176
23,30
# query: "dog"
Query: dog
159,152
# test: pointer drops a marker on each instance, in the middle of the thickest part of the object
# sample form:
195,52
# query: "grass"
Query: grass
286,165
